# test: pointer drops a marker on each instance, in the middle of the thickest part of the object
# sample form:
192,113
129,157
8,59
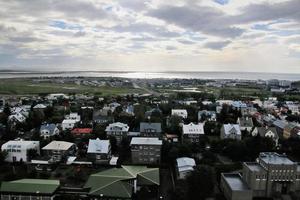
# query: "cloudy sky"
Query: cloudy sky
150,35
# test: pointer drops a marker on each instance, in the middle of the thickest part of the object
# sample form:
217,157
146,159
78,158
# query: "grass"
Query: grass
26,86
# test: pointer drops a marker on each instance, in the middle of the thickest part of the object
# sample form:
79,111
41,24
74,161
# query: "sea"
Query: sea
157,75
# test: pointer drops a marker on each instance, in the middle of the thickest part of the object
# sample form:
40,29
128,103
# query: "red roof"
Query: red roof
78,131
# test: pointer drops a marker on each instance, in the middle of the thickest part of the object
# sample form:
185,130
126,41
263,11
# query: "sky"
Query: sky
150,35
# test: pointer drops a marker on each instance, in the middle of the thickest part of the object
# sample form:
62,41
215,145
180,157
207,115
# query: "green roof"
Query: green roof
42,186
114,182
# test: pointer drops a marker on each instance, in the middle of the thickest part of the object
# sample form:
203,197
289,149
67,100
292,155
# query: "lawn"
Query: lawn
26,86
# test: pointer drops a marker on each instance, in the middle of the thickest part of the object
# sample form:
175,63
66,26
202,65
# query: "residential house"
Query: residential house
123,183
18,150
280,125
291,130
184,166
246,123
207,115
48,130
270,132
180,113
191,132
150,129
29,189
73,116
231,131
68,124
145,150
118,130
59,150
99,151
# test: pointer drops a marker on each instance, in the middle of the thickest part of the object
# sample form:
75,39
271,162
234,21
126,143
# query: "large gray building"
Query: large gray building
271,174
145,150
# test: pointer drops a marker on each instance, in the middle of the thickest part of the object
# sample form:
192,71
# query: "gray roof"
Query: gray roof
275,158
280,123
49,127
254,166
235,182
98,146
145,141
144,126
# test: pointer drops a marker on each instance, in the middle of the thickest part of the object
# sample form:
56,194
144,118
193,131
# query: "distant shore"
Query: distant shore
154,75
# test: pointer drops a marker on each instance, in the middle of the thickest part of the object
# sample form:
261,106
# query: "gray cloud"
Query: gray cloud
265,12
217,45
204,19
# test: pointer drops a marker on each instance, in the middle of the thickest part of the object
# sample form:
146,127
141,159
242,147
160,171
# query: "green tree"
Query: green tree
200,183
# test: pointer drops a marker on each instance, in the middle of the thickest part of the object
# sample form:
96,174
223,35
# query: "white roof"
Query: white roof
98,146
22,144
118,125
185,164
179,112
58,145
192,128
145,141
41,106
232,128
69,121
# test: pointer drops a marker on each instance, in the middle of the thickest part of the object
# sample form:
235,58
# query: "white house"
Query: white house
118,130
191,132
185,165
231,131
68,124
180,112
17,150
73,116
99,150
17,118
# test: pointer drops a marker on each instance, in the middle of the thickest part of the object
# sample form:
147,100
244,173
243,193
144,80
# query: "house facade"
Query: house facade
59,150
150,129
145,150
231,131
191,132
99,151
118,130
18,150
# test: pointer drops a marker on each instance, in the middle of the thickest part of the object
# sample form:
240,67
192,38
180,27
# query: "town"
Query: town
174,139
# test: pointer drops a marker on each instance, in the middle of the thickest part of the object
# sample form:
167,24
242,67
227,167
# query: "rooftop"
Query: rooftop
275,158
234,180
145,141
58,145
42,186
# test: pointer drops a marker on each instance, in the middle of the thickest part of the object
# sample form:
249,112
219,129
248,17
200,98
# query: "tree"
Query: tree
200,183
3,155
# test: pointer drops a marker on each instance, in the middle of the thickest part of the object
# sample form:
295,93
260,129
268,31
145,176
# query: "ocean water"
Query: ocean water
154,75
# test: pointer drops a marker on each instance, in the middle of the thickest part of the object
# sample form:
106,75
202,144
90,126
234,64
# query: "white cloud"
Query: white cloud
134,34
